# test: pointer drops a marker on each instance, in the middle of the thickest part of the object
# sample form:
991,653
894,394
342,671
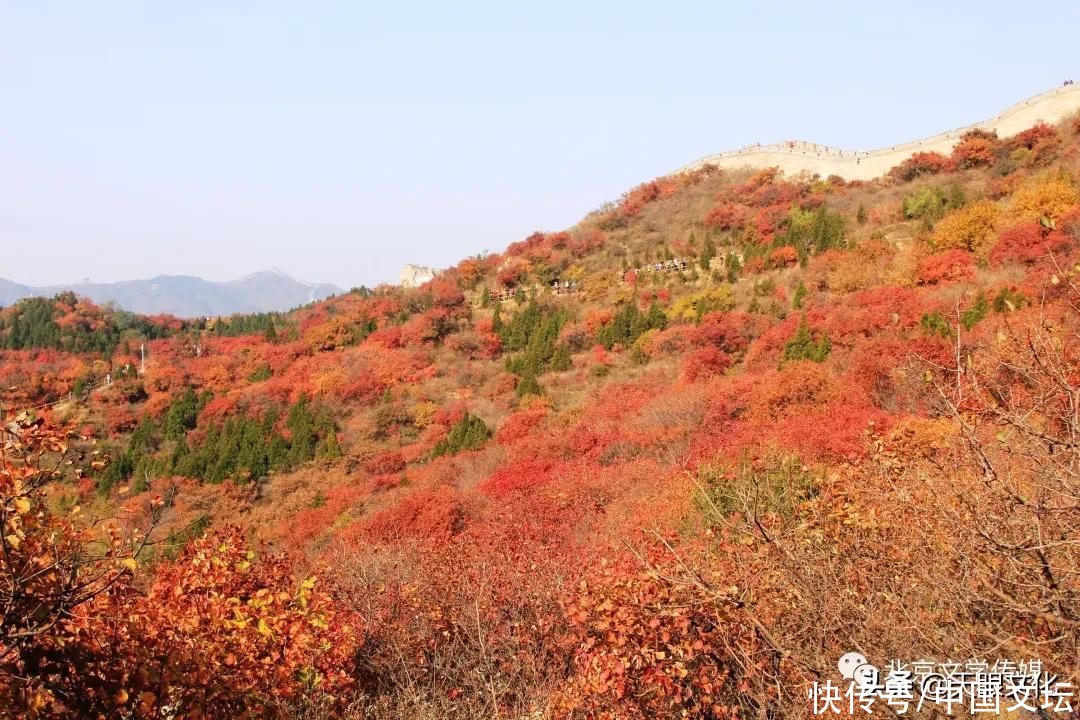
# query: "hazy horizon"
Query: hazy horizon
271,269
339,142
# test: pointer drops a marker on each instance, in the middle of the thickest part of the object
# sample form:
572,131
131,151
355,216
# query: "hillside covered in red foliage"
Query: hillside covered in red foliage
671,462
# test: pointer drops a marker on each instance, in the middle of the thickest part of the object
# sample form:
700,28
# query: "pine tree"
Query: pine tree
734,267
561,360
656,319
976,313
799,297
182,415
329,447
302,428
528,386
803,346
708,252
469,433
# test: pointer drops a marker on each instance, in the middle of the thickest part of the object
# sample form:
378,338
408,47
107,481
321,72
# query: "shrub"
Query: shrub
728,331
949,266
930,204
649,648
693,307
726,216
1044,199
969,228
1027,243
923,202
921,163
782,257
704,363
777,485
975,149
1035,147
386,463
1009,299
936,323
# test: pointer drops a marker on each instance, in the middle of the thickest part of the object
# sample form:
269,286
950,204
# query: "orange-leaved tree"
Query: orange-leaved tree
214,633
49,567
222,634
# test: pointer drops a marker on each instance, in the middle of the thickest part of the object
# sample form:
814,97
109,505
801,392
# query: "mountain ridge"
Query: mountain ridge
187,295
795,156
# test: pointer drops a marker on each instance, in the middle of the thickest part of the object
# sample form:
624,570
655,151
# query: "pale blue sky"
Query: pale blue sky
340,140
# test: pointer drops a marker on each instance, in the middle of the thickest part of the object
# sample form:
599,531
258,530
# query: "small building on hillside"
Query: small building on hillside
416,275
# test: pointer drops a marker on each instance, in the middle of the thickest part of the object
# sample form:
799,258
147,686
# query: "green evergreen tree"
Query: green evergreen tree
803,346
561,360
708,252
328,446
656,318
303,438
528,385
1009,299
182,415
936,323
799,297
976,313
734,267
469,433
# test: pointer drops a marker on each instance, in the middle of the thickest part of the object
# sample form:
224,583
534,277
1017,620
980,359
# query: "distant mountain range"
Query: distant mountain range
187,296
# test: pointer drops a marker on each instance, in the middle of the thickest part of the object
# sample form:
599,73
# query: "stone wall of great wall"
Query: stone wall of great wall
794,157
412,276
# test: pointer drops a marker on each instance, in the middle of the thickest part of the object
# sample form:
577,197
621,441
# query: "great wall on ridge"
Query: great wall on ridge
796,156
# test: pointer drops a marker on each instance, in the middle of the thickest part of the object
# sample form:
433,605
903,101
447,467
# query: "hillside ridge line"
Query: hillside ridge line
797,156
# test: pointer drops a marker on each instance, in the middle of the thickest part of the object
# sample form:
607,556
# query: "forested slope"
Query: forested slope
671,462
